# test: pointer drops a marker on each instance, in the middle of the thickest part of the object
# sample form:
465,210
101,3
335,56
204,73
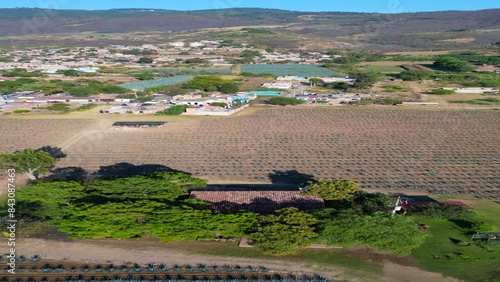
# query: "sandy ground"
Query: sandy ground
145,252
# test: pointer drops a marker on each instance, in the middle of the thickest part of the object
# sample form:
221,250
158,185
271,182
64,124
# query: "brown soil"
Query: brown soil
146,251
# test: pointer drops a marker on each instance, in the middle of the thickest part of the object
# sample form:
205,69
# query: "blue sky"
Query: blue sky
382,6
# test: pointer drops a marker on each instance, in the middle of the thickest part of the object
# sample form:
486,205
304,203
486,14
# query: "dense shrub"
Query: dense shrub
285,231
442,92
157,205
448,63
383,231
174,110
284,101
212,83
451,212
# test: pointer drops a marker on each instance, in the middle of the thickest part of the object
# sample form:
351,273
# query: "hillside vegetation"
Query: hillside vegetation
406,31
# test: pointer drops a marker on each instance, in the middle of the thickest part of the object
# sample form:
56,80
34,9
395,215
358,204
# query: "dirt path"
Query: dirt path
102,253
398,273
143,252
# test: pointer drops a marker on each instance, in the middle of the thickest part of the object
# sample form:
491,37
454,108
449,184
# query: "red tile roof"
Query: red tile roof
258,201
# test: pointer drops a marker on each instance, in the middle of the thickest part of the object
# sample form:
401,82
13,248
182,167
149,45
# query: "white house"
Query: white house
277,85
473,90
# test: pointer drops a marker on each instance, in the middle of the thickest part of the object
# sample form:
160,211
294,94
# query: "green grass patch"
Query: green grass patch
442,92
58,107
441,253
21,111
394,88
356,267
86,107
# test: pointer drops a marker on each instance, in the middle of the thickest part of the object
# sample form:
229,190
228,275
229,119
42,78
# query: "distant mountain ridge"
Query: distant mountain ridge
405,31
26,20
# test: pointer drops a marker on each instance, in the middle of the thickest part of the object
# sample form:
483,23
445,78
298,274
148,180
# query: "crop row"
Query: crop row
439,151
163,278
137,268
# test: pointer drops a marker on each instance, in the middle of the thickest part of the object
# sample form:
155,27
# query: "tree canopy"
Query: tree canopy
364,80
156,205
284,101
32,162
212,83
452,64
285,231
340,189
383,231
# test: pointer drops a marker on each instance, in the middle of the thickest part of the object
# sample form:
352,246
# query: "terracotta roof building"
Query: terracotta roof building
263,202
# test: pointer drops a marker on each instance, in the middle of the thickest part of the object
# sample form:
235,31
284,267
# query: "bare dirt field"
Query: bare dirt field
382,148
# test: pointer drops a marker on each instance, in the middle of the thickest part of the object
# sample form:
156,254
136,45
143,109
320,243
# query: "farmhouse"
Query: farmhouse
263,202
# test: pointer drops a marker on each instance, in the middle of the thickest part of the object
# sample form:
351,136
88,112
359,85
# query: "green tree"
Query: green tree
316,81
448,63
173,111
340,86
385,232
285,232
284,101
371,203
329,190
219,104
32,162
270,50
146,61
145,76
414,75
364,80
228,88
450,212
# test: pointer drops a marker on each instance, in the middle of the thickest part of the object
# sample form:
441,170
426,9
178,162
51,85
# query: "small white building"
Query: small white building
277,85
473,90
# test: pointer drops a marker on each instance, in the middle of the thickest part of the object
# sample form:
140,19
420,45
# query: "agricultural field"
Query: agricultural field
37,269
288,69
157,82
37,133
441,151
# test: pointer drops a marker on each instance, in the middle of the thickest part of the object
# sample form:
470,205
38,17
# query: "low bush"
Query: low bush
20,111
442,92
284,101
174,110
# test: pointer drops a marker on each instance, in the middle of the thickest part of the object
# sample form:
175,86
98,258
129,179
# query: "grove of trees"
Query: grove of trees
285,232
285,101
448,63
332,189
212,83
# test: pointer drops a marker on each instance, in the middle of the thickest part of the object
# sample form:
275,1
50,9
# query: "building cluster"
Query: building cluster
334,99
214,104
290,82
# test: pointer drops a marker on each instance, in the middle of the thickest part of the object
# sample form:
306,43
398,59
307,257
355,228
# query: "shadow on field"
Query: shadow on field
127,170
54,152
290,177
73,173
119,170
